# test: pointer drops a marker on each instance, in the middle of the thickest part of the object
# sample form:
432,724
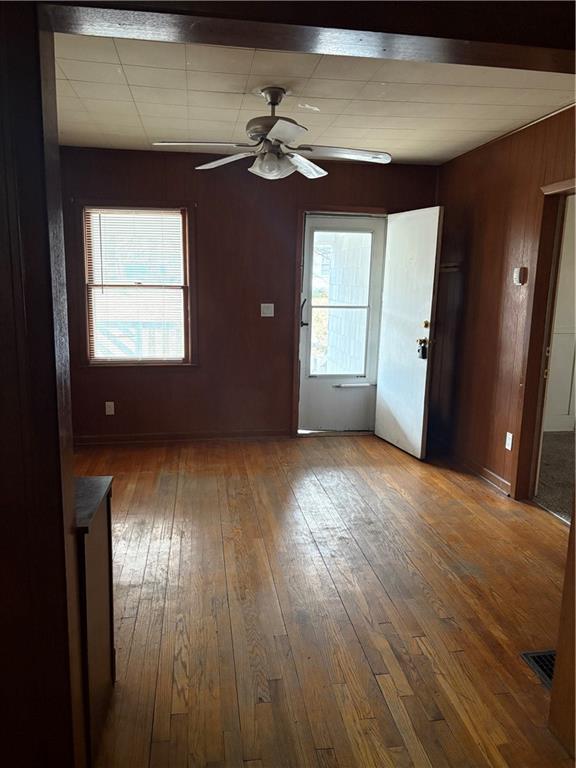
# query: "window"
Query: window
136,285
341,263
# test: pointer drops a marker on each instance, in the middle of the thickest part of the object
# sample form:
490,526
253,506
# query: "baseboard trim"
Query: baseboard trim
170,437
485,474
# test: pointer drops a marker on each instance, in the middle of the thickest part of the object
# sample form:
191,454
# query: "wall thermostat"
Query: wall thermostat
520,275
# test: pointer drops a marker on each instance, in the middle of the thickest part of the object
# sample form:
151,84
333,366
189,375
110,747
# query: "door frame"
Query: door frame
542,314
299,276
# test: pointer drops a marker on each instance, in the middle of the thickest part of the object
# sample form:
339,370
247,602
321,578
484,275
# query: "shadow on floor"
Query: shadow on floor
556,483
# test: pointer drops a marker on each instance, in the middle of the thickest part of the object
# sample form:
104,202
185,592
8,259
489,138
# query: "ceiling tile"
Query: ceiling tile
63,88
191,150
208,128
418,111
425,136
298,105
108,91
216,58
146,53
156,77
217,100
342,89
92,72
315,105
197,130
339,134
454,94
117,118
82,129
207,113
85,48
429,109
69,104
166,111
144,94
313,120
423,123
451,74
74,118
110,107
292,85
284,63
255,102
164,124
167,133
214,81
347,68
537,97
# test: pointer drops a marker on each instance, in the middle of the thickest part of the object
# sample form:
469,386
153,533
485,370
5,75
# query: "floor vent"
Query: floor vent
541,662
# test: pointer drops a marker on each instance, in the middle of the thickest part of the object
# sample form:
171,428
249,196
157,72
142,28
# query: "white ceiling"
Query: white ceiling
128,93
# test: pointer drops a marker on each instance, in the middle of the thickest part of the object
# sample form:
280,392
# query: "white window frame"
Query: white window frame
185,288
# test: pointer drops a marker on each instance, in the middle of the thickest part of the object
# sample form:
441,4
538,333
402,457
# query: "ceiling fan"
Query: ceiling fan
273,147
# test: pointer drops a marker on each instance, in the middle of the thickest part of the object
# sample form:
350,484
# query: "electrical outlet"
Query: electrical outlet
266,310
508,443
109,407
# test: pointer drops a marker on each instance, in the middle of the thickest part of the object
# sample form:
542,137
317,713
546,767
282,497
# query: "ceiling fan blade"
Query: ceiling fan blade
200,144
344,153
224,161
306,167
286,132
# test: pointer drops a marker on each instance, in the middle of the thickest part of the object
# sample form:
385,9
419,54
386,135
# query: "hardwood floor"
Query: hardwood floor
324,602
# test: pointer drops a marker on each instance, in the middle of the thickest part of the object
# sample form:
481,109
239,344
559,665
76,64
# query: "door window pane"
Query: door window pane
341,268
338,341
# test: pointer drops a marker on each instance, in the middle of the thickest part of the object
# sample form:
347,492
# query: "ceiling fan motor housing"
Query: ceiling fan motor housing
259,127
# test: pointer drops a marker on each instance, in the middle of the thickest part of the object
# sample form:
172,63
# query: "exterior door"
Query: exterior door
408,302
340,309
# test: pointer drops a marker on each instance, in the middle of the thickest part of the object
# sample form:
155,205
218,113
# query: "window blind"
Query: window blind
136,284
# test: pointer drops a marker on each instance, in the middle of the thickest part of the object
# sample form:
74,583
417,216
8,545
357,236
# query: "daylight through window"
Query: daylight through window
136,285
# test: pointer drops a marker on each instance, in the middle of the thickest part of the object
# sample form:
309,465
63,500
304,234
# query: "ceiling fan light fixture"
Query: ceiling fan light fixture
269,165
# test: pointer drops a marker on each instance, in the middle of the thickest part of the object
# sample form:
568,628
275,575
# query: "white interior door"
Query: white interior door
408,302
341,293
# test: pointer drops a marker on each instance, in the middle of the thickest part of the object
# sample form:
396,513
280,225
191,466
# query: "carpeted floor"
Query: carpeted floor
556,484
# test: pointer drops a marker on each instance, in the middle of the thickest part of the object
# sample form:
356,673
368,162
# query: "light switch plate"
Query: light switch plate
266,310
520,275
109,407
508,443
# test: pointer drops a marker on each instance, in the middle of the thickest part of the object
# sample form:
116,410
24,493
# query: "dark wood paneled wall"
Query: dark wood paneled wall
41,694
492,224
247,245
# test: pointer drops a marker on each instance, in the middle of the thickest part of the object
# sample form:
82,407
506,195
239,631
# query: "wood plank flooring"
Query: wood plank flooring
324,602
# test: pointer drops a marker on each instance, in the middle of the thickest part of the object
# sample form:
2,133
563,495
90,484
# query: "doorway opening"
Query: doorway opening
555,478
368,296
339,321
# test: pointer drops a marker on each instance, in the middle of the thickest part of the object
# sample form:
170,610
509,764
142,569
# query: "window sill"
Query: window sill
136,364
